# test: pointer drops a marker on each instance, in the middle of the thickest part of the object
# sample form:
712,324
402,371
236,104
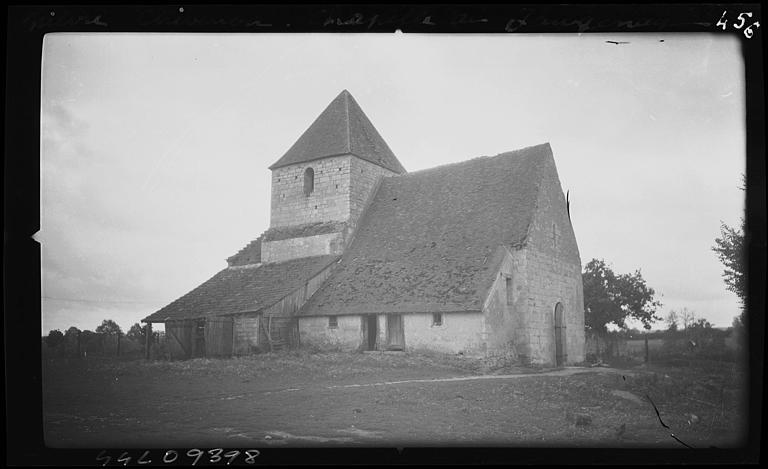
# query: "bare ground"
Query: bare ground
329,399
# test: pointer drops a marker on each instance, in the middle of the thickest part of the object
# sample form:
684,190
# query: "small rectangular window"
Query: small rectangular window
333,322
437,319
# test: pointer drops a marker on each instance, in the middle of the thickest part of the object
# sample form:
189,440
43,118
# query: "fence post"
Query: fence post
646,348
149,340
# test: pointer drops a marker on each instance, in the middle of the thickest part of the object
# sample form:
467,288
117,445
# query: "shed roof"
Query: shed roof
430,240
341,129
243,289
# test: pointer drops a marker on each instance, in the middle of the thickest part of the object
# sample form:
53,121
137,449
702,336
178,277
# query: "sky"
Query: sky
155,147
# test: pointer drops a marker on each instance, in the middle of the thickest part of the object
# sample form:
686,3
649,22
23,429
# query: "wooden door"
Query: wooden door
369,327
199,339
219,337
395,333
179,334
561,354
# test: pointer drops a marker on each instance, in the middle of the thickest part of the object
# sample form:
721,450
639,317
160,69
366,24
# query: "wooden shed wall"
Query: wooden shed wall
179,338
281,316
219,337
246,333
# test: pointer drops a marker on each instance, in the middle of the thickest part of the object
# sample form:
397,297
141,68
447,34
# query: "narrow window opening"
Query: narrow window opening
333,322
437,319
509,291
309,181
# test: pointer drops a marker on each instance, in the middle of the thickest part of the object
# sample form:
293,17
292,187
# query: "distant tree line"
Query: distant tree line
107,339
612,299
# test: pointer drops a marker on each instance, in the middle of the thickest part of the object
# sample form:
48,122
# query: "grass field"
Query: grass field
383,399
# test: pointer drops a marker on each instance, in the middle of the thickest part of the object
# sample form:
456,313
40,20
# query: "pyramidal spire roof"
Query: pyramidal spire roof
342,128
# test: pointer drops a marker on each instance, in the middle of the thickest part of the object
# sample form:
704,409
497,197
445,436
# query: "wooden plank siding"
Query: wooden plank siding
284,323
218,337
246,333
179,336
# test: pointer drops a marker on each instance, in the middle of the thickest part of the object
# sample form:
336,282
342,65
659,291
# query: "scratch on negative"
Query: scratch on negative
658,415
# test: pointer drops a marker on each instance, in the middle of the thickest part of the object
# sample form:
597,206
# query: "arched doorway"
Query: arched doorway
561,354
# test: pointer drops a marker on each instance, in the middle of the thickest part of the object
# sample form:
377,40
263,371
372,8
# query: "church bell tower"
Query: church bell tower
323,182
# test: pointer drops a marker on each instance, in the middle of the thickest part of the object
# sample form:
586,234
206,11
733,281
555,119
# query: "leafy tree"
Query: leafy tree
70,337
612,299
55,337
730,248
739,333
700,324
687,316
671,321
109,327
136,332
736,324
91,341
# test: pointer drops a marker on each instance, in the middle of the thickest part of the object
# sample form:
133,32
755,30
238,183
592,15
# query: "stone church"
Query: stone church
477,257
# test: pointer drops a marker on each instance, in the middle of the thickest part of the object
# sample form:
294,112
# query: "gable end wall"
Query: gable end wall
552,271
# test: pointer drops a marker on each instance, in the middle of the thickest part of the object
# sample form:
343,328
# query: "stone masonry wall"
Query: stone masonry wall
501,310
551,267
460,332
329,200
363,176
342,189
347,336
293,248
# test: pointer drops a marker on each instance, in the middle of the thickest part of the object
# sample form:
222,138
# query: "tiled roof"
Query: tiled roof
250,254
341,129
431,240
242,289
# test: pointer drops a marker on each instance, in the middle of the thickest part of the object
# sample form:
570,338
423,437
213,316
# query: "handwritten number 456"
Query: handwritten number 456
741,21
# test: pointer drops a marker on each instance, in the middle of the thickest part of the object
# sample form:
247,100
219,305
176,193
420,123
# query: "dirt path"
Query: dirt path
568,371
351,400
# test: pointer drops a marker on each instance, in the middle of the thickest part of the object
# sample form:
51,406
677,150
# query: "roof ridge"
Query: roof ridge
346,111
464,162
341,128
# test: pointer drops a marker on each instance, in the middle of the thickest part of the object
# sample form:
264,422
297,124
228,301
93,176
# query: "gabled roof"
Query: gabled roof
431,240
244,289
341,129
